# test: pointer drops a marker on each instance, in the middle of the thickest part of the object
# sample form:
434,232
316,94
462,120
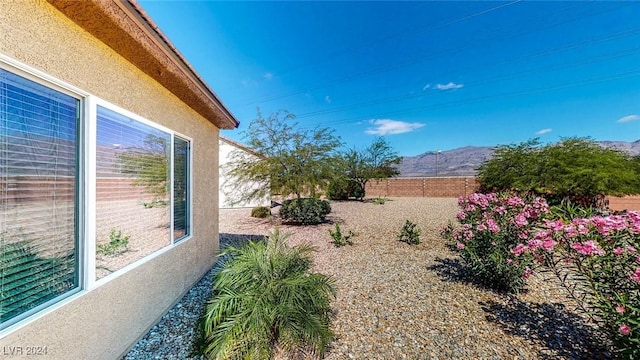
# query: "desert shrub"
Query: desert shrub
261,212
117,243
340,239
597,260
155,203
344,189
29,280
380,200
265,298
490,236
305,211
409,233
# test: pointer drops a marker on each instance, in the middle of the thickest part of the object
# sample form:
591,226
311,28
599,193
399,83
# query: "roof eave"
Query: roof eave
128,30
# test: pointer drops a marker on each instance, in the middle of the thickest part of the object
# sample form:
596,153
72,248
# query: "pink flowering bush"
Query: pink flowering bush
490,236
598,260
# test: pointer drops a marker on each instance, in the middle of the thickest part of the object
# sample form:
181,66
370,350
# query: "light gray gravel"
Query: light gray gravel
397,301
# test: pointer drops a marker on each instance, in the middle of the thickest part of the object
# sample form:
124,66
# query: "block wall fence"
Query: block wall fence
449,187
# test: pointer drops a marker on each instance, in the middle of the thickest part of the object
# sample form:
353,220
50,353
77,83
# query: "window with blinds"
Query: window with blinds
142,191
180,188
38,196
132,196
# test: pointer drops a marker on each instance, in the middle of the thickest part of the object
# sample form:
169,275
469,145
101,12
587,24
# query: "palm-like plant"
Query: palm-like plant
266,299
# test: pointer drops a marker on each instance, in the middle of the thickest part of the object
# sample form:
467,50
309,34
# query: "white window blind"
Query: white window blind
38,196
132,195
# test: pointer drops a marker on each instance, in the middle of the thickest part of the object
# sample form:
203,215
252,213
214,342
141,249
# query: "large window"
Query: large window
38,207
58,233
132,197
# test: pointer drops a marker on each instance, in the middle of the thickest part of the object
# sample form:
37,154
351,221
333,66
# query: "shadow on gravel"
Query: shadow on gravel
563,334
451,270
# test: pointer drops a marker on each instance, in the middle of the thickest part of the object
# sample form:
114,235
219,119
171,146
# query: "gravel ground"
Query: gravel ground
397,301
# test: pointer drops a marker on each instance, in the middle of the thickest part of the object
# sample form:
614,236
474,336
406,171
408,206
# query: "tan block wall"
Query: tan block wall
105,322
624,203
422,187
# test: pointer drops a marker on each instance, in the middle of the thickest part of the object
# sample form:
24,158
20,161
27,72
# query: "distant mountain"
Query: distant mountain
465,160
633,148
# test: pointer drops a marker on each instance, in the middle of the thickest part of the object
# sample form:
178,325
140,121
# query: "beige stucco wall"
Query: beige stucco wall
104,322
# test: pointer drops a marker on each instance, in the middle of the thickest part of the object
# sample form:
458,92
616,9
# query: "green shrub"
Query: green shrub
116,243
155,203
409,233
261,212
340,239
305,211
29,280
265,298
342,189
380,200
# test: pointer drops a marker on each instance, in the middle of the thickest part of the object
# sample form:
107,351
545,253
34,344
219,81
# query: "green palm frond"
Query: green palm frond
267,299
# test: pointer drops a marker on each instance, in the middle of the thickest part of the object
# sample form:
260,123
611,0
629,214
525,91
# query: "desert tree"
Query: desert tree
355,168
291,160
575,169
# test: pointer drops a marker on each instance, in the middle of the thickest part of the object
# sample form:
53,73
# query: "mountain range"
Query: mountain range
465,160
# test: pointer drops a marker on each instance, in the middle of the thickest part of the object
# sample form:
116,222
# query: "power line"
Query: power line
370,43
539,70
419,59
610,77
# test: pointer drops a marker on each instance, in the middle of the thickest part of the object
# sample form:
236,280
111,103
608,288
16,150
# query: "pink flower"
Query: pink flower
493,226
523,235
521,220
461,215
631,249
519,249
638,259
527,272
548,244
618,251
500,210
620,309
624,329
459,246
481,227
635,277
588,248
554,225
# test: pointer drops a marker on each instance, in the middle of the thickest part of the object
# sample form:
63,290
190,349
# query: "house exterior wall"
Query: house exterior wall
226,189
104,322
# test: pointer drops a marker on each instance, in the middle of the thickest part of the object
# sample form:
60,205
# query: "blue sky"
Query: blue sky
426,75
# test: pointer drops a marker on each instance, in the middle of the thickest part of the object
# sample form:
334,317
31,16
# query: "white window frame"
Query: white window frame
86,191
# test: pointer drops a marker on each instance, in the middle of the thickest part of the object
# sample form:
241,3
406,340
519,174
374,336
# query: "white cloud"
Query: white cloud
268,76
391,127
543,131
426,87
449,86
249,83
628,118
327,99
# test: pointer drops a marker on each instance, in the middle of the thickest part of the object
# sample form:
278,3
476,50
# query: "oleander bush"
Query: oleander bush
266,301
492,226
597,260
305,211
